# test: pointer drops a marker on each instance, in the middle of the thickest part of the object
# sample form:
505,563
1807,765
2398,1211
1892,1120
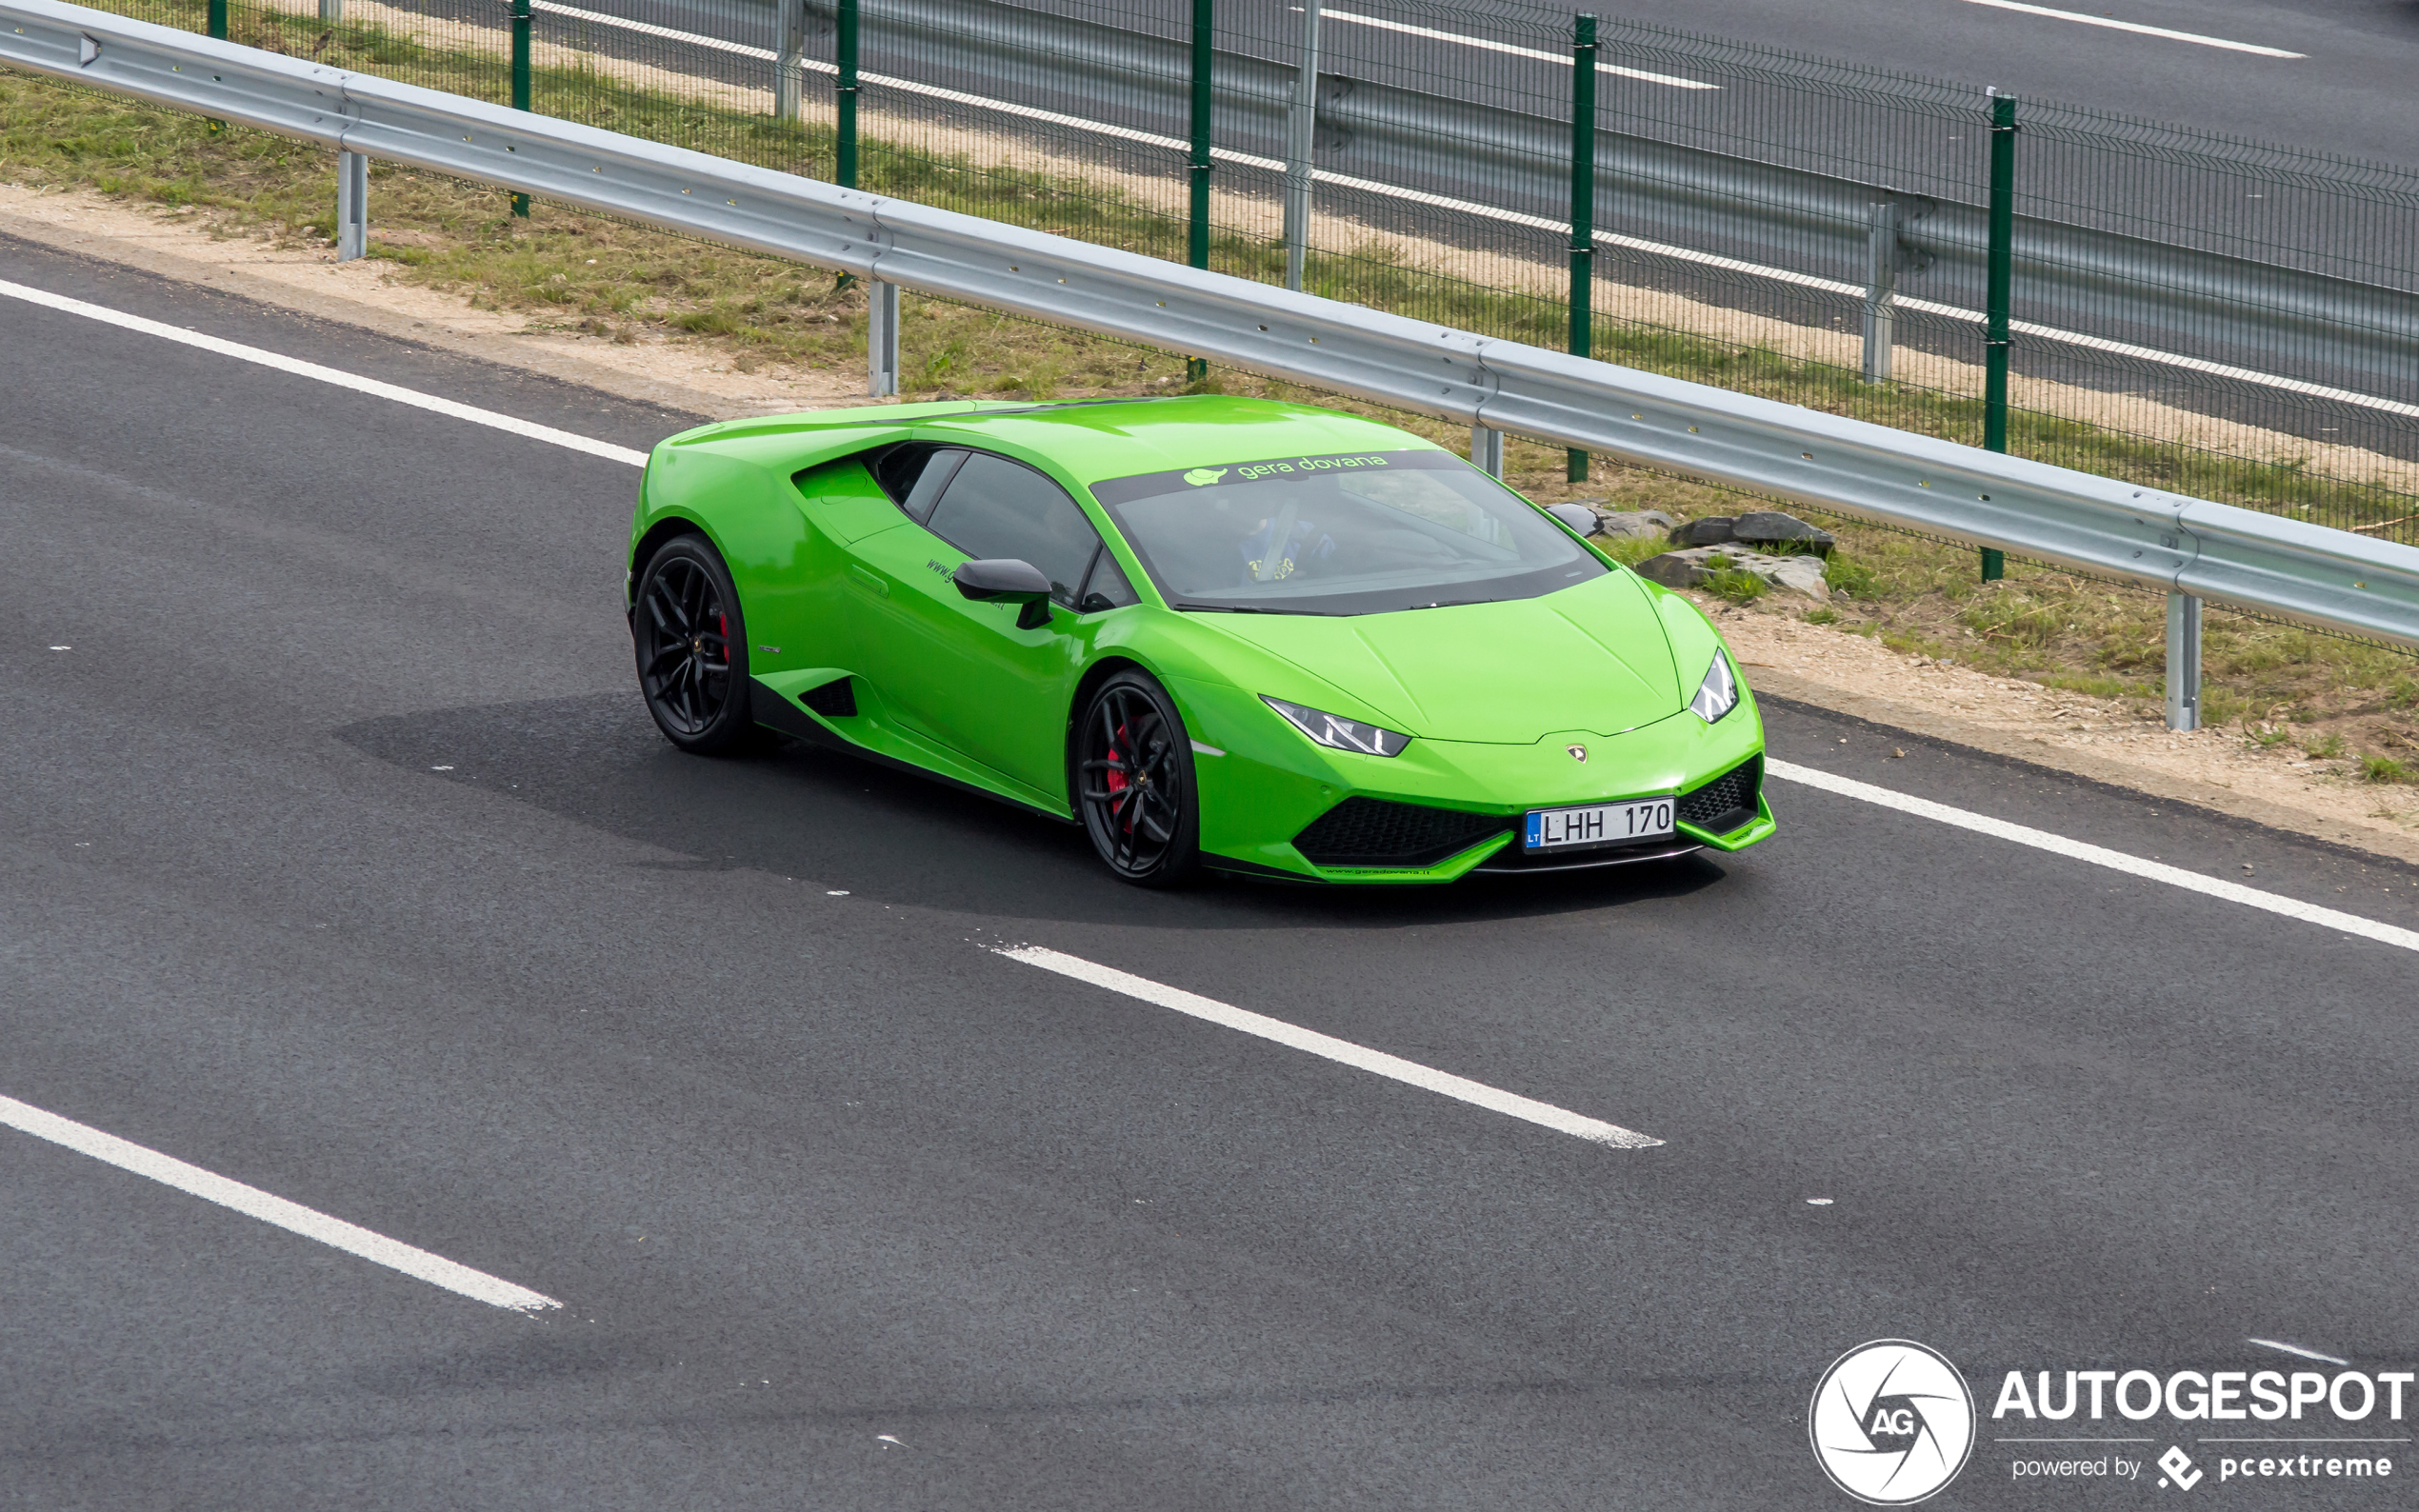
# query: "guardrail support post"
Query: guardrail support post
1302,129
1486,450
352,205
521,80
847,98
789,60
1583,205
1880,289
1198,237
2002,253
881,338
2183,662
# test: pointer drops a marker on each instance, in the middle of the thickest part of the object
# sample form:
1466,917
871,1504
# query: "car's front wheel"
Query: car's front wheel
692,649
1133,781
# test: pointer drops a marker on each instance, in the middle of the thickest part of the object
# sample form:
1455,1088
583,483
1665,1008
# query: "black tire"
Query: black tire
692,650
1133,785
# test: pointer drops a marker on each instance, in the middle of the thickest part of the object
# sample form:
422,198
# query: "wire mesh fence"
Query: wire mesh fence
2228,319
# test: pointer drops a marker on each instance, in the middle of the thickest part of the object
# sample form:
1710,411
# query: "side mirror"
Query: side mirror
1005,580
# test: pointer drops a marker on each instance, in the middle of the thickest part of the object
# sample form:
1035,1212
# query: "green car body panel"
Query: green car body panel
834,579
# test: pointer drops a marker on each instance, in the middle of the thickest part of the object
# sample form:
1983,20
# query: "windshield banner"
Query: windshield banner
1150,484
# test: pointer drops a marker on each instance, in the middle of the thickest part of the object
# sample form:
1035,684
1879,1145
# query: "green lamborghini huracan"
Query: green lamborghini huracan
1224,634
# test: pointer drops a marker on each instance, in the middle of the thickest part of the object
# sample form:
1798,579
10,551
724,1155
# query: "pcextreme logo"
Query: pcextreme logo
1891,1423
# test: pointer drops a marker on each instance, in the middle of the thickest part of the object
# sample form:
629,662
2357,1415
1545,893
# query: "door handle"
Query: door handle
868,580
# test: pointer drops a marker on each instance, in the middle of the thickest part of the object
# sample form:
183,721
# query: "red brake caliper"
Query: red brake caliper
1116,778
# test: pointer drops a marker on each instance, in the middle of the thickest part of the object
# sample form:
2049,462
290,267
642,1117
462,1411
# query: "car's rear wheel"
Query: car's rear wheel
692,649
1133,781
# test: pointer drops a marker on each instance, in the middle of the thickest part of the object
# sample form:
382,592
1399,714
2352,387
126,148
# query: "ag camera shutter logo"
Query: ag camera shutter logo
1891,1423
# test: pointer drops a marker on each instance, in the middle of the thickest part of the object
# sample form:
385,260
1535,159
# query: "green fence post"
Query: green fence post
1583,206
847,101
1197,239
217,24
2003,257
521,80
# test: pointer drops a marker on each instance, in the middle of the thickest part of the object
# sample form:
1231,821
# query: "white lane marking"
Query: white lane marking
372,387
2114,25
815,65
1484,44
694,39
2296,1349
393,1254
1378,1062
2097,855
930,91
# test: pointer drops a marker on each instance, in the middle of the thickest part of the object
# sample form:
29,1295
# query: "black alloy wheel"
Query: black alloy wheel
692,649
1133,782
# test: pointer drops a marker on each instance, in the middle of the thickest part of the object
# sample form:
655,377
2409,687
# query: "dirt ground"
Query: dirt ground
1901,646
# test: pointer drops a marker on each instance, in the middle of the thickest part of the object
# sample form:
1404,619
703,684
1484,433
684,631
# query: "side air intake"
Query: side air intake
836,699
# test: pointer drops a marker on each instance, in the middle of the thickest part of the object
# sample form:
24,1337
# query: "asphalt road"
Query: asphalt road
339,856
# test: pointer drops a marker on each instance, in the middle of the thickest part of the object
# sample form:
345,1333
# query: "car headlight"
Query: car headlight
1340,735
1719,693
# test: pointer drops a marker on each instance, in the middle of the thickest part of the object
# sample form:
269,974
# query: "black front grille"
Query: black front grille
836,699
1727,802
1374,832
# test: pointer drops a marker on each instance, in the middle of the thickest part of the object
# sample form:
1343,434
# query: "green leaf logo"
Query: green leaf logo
1200,477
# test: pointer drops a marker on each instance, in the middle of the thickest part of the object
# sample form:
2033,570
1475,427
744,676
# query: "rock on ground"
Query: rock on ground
1638,525
1695,567
1756,527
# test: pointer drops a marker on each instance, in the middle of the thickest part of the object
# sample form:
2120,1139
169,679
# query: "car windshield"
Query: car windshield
1360,533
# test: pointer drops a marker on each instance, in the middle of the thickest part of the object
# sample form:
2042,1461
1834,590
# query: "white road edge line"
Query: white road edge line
2138,26
294,1218
1445,1084
1484,44
326,375
2296,1349
2097,855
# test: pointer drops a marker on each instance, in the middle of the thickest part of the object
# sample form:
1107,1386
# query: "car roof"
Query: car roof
1090,440
1099,439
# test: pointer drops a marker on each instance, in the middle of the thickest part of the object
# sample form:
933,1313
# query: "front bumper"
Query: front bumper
1265,786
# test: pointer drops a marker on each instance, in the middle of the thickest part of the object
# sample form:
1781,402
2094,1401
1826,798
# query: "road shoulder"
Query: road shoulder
360,294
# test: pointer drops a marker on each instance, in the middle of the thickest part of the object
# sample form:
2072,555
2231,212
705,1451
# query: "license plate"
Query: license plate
1597,825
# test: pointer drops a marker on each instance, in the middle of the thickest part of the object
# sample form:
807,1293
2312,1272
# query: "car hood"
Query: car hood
1590,658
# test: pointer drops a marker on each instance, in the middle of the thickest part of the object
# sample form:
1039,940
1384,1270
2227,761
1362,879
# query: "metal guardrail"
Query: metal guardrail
2193,549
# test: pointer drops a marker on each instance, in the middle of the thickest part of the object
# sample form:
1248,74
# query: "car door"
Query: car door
960,671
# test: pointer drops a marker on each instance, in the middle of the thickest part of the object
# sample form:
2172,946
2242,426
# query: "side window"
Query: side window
995,507
1106,588
913,476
